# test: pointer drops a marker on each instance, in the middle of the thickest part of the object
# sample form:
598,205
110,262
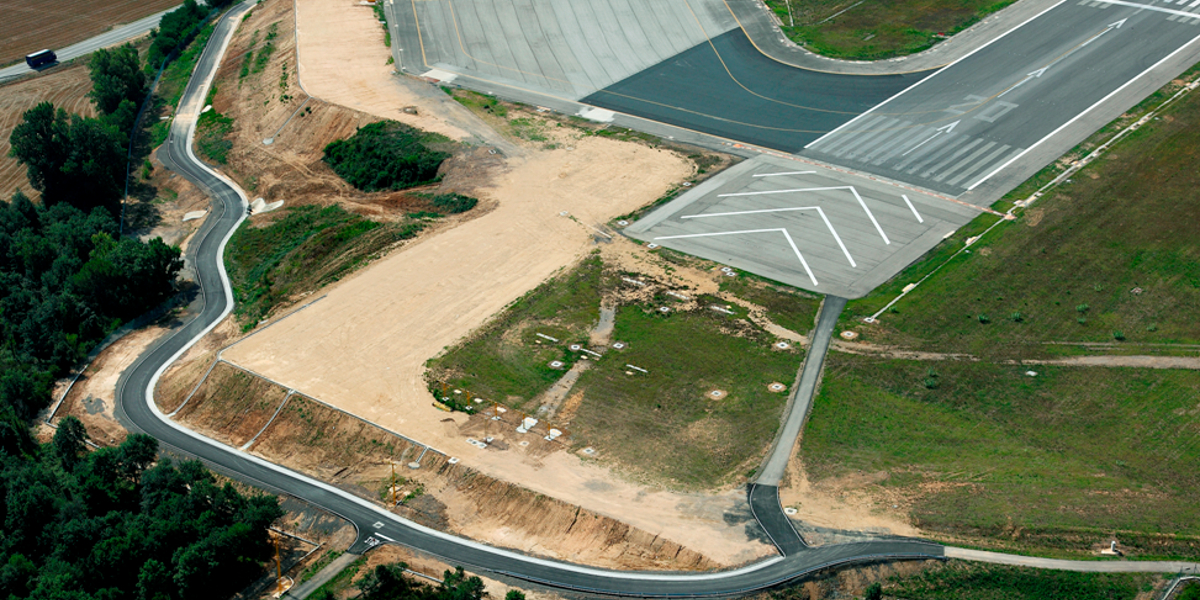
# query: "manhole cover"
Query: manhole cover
776,387
717,394
782,345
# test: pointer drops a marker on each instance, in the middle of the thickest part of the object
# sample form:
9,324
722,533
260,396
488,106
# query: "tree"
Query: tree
76,160
70,441
116,76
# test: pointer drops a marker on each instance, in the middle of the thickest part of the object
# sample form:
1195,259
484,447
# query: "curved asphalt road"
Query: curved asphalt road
137,409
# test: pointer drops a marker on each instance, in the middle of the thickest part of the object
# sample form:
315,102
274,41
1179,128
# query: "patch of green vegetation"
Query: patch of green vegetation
263,56
970,581
303,249
478,102
179,71
248,58
1117,238
321,563
1190,591
342,582
528,128
212,136
785,306
877,29
453,203
663,422
507,361
382,18
387,155
1060,461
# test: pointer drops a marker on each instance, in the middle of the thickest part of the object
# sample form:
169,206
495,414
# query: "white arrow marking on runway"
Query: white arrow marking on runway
1063,56
785,233
938,131
852,189
836,237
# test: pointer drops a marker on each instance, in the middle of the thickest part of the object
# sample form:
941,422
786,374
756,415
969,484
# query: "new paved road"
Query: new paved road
137,409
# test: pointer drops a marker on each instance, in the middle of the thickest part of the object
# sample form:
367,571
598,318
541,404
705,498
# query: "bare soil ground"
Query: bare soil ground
351,70
67,88
232,405
357,456
29,26
92,398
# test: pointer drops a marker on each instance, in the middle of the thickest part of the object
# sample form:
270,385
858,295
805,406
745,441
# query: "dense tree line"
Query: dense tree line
177,27
65,283
113,525
385,156
389,582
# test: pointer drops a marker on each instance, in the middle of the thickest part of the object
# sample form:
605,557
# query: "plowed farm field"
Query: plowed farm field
28,26
66,88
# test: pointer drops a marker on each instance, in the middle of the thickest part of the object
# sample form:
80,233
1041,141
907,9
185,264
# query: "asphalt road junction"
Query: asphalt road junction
804,224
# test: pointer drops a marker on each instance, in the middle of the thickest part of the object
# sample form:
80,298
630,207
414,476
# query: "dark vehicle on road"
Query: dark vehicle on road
41,58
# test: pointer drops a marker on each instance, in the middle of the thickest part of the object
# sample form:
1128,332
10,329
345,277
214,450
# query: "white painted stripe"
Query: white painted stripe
1086,111
796,172
836,237
749,231
1194,4
962,163
980,164
1169,11
822,189
912,208
871,216
939,72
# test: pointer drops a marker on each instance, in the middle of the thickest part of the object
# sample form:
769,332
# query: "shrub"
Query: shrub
984,319
385,156
1016,317
454,203
1117,335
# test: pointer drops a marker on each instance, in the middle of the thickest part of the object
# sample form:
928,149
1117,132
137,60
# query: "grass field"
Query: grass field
662,423
876,29
1059,461
969,581
29,26
1113,256
301,249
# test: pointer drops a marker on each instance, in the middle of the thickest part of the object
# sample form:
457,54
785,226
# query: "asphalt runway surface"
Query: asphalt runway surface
727,88
959,126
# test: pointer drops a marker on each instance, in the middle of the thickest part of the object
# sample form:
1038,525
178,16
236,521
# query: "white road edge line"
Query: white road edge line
836,237
1086,111
938,72
749,231
789,172
1151,7
912,208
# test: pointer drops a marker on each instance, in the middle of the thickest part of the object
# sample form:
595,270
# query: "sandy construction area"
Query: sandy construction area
343,60
363,348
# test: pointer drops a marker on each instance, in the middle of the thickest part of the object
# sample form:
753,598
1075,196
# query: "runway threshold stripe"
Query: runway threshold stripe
954,155
931,149
908,132
982,164
848,137
866,141
964,162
